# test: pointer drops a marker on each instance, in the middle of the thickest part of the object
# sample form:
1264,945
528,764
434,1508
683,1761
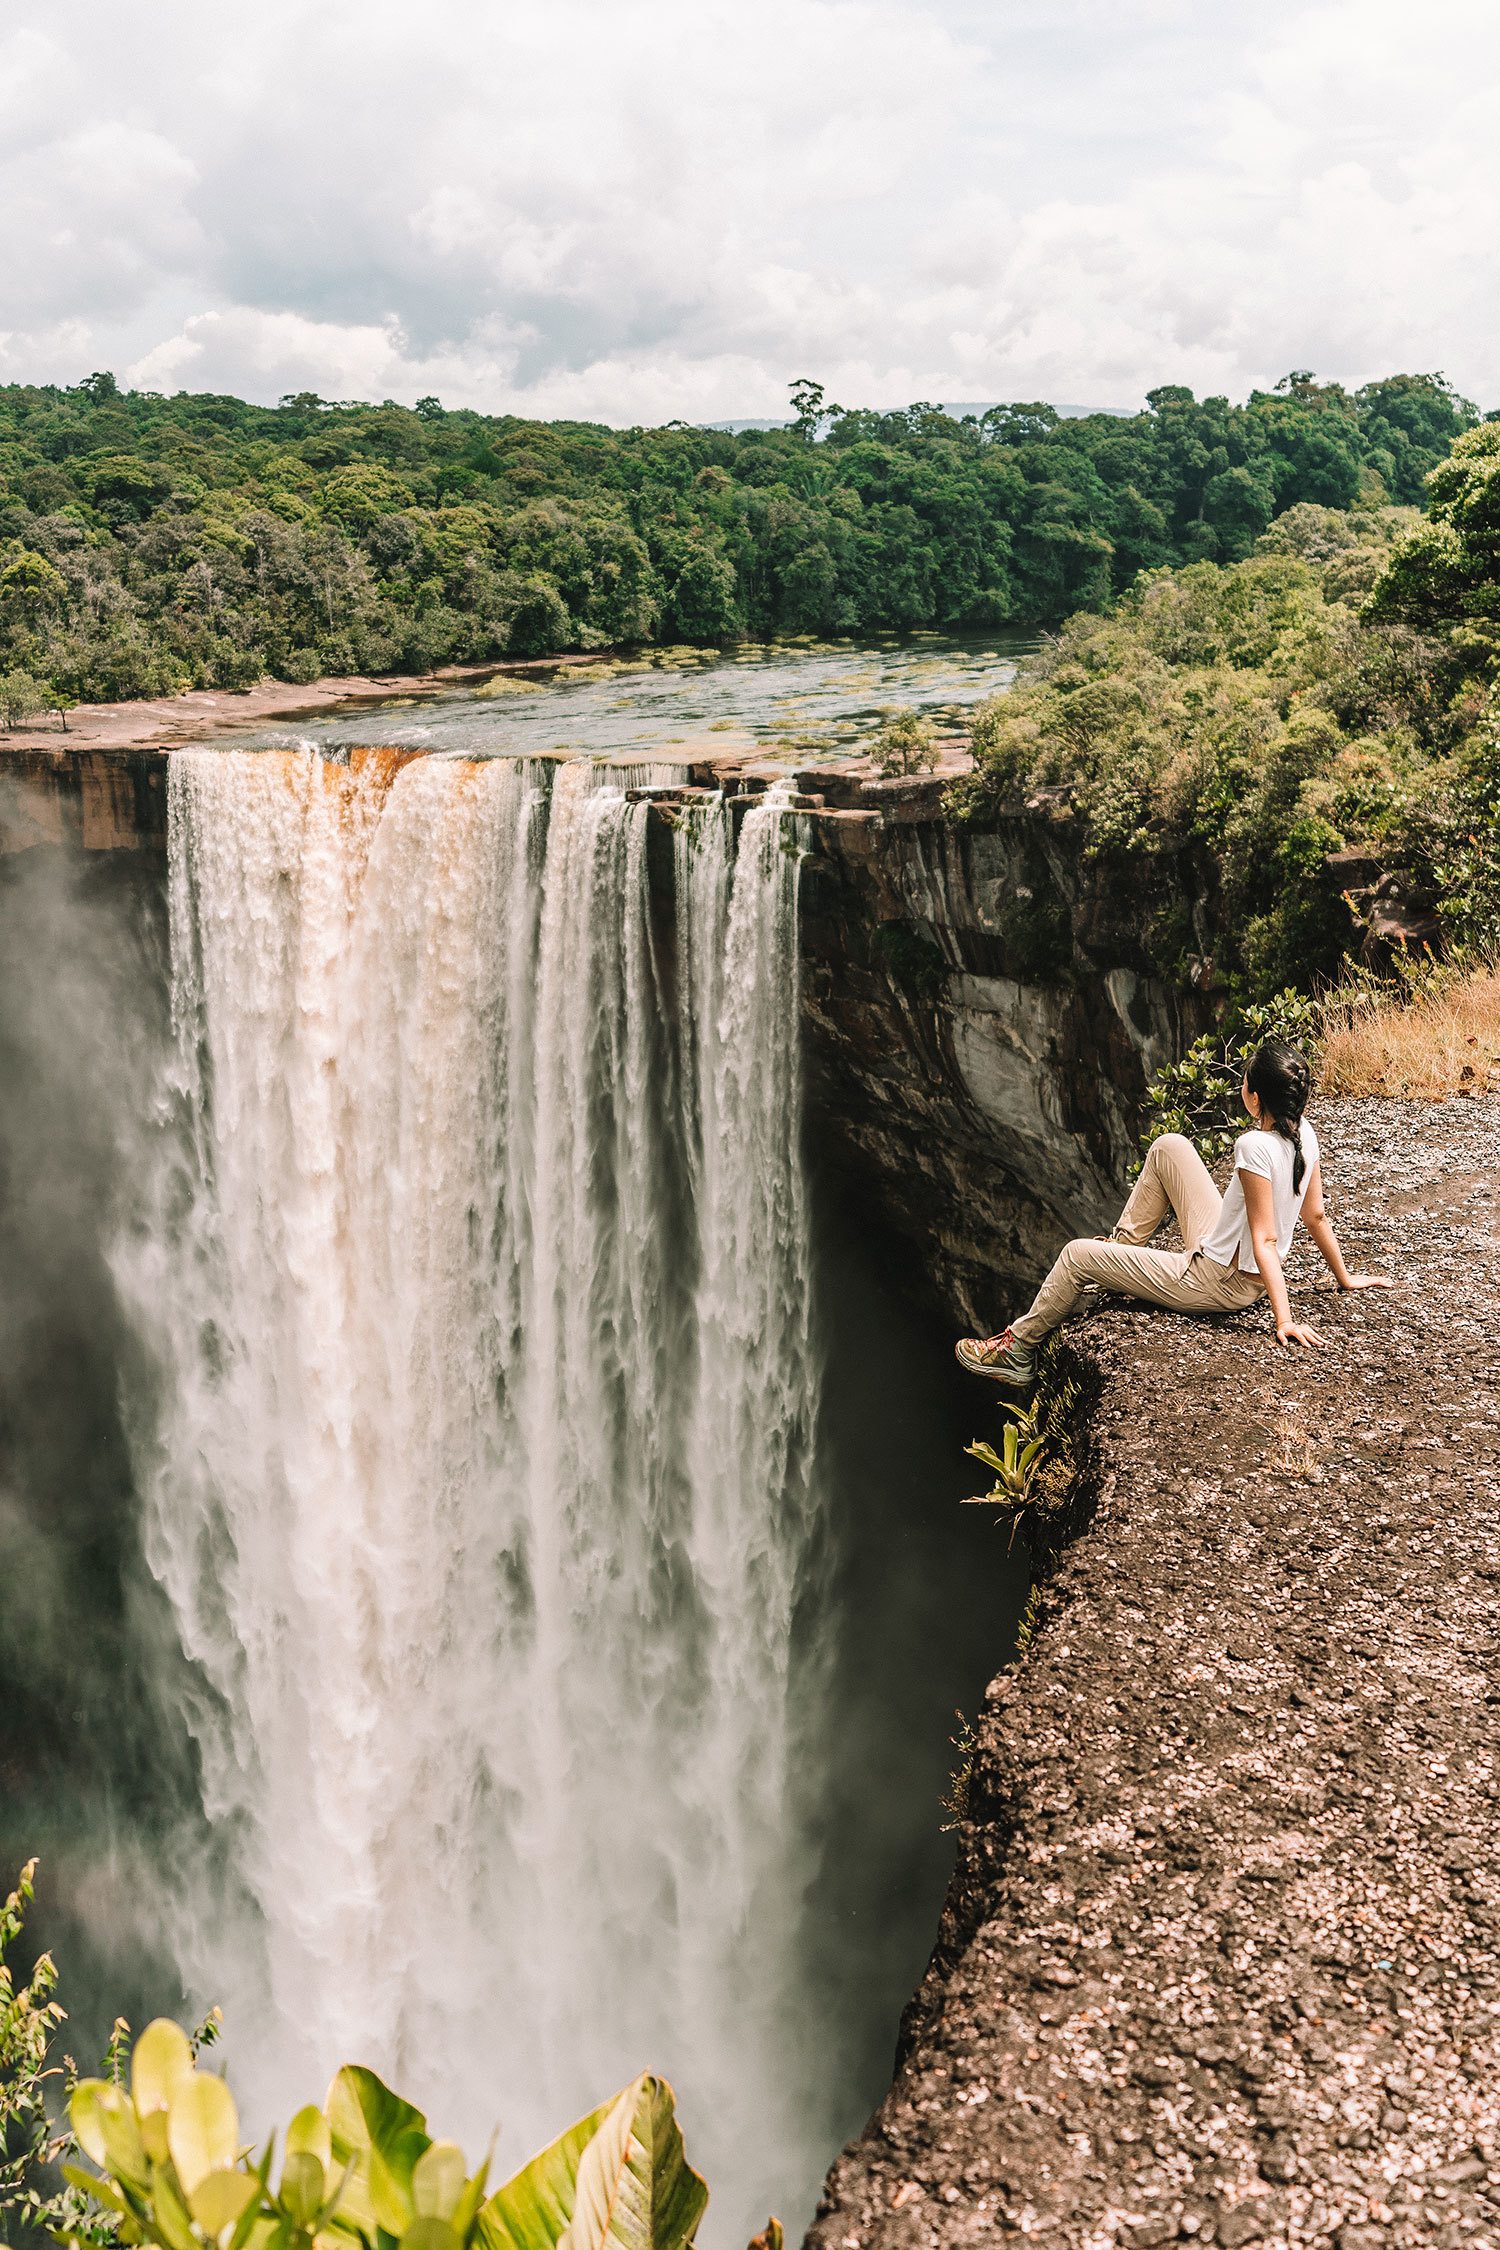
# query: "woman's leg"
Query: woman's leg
1173,1178
1155,1275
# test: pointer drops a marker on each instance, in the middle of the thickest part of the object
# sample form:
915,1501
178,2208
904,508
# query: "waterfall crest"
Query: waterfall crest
481,1480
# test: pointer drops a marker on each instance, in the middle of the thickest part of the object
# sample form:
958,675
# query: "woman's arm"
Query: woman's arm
1315,1219
1260,1210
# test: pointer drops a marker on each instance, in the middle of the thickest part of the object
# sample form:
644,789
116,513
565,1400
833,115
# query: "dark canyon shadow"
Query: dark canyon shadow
90,1772
924,1604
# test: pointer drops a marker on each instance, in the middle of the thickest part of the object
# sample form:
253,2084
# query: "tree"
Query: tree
906,743
30,586
21,698
1448,572
809,409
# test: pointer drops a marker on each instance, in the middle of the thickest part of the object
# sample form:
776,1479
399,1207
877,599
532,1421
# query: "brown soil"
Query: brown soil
1221,1957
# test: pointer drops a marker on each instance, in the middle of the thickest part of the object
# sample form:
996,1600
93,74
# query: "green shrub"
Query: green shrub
1200,1095
166,2165
1254,719
906,743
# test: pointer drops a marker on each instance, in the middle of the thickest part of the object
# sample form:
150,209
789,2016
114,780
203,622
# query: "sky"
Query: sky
633,210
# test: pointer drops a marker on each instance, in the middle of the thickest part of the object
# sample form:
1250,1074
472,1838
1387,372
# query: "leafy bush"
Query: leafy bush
361,2172
1200,1095
906,743
1233,728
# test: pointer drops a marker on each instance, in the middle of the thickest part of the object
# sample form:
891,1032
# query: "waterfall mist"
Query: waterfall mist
480,1476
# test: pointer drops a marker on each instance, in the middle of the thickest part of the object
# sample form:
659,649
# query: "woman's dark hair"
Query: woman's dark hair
1281,1082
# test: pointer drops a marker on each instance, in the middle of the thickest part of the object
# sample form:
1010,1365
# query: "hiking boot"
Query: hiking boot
1004,1361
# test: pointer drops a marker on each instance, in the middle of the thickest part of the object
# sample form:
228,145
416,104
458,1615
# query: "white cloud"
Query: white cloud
630,209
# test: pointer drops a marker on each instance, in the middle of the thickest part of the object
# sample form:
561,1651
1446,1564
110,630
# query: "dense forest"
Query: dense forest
1333,697
149,543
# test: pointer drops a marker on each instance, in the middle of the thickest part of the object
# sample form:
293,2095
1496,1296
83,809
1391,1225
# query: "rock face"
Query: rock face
983,1014
99,800
1221,1956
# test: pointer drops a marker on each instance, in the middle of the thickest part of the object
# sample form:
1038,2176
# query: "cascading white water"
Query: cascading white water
481,1481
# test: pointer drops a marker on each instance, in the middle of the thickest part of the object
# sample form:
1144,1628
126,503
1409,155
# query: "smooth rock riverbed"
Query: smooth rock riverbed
1221,1957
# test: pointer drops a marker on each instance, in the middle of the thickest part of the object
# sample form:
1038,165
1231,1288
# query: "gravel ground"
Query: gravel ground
1221,1958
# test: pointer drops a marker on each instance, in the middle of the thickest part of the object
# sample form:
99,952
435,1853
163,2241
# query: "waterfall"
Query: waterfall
480,1475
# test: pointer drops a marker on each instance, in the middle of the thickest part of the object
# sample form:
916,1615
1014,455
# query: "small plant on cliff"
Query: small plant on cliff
906,743
956,1804
1200,1095
1037,1468
1015,1464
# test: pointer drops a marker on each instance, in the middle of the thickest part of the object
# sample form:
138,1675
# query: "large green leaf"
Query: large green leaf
532,2210
308,2134
636,2189
161,2064
203,2129
383,2137
221,2199
438,2180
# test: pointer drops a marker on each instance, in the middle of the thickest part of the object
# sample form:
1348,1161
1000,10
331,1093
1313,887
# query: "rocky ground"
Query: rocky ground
1221,1959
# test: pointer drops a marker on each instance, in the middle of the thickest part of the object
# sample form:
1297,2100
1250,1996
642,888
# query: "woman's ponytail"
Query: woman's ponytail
1281,1082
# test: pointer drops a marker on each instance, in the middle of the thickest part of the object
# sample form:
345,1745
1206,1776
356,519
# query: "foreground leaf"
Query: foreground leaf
160,2065
203,2129
532,2210
636,2189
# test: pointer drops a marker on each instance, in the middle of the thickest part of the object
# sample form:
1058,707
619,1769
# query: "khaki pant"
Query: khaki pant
1173,1178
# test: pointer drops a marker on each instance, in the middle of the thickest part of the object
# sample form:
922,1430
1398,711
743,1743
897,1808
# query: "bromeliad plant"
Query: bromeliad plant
364,2171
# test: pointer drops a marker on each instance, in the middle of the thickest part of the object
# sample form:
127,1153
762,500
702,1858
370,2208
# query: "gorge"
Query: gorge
519,1042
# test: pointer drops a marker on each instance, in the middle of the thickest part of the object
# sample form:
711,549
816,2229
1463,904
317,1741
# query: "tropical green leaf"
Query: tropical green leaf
428,2233
161,2064
203,2129
308,2135
86,2115
221,2199
534,2207
384,2137
636,2189
124,2150
303,2184
170,2213
438,2179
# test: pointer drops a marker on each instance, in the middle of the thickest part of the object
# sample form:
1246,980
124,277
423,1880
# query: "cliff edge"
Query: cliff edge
1221,1957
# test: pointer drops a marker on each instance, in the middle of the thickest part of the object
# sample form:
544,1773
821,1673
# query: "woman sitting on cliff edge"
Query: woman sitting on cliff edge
1233,1245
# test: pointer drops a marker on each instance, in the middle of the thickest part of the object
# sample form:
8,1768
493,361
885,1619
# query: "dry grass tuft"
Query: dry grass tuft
1443,1039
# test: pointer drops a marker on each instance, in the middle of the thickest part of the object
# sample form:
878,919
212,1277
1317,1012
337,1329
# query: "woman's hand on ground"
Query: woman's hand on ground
1368,1281
1295,1333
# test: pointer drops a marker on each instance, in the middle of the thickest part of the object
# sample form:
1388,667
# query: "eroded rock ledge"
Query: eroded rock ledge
1221,1957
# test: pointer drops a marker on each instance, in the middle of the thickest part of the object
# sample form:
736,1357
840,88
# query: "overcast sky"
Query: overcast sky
634,209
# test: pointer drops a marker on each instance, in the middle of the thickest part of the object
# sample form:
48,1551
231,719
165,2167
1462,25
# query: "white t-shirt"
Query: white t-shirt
1269,1156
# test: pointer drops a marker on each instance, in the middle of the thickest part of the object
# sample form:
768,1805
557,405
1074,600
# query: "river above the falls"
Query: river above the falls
820,701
